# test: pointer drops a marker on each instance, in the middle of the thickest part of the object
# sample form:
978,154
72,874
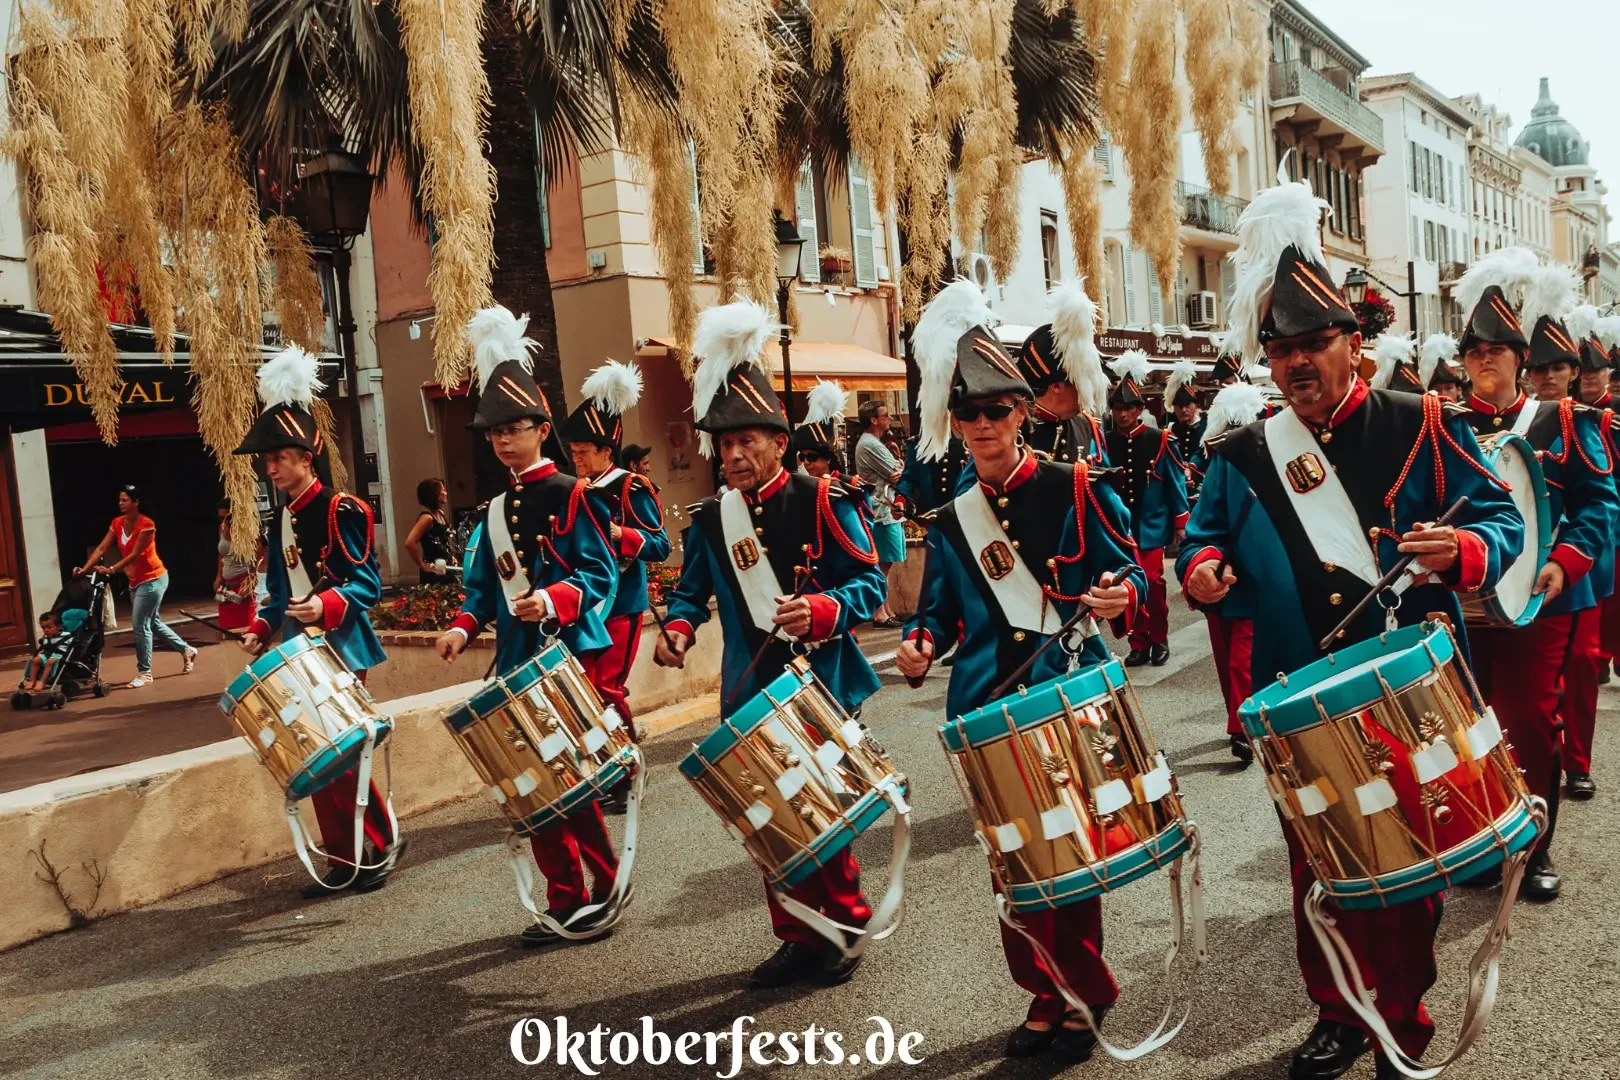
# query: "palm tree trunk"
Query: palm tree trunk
522,280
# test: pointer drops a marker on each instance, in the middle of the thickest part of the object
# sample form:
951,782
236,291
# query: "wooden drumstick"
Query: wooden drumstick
759,654
1390,578
1062,632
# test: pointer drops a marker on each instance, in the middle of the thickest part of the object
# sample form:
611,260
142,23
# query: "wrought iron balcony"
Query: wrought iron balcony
1319,96
1201,208
1451,271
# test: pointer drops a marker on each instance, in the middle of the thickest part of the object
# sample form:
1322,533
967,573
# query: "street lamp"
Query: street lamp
1355,289
334,203
789,245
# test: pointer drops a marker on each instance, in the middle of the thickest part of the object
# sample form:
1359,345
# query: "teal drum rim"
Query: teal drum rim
592,788
261,668
1032,707
862,815
724,739
1406,656
1516,828
1543,538
1116,871
330,762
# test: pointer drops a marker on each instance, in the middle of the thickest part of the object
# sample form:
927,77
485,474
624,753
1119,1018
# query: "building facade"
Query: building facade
1580,220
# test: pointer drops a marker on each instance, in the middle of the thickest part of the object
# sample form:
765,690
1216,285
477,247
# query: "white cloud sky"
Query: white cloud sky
1501,49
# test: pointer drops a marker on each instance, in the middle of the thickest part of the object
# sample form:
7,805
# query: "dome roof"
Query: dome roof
1551,137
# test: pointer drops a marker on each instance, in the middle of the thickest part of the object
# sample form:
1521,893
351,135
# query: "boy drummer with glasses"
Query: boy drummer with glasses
539,559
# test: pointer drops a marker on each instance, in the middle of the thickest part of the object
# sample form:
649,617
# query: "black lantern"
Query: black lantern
789,244
336,195
1355,286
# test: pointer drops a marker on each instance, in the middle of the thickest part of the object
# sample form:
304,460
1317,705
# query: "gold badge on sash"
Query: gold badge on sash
1305,473
505,565
290,556
745,553
997,560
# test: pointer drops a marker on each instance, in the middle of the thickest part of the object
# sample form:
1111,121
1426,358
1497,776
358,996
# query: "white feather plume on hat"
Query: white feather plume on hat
1509,269
614,388
1582,322
1237,405
1551,291
1437,349
1074,336
1390,351
291,377
824,402
1280,217
1607,330
1182,374
958,308
496,336
727,336
1132,364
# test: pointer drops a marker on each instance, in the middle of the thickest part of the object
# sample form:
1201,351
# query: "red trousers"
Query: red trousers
1072,935
834,890
1152,625
1609,626
558,849
1534,678
334,812
609,669
1232,642
1395,949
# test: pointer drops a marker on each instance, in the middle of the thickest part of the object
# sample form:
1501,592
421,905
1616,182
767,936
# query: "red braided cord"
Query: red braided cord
333,533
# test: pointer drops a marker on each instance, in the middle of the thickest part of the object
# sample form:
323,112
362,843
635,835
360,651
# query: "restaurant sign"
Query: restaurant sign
1166,346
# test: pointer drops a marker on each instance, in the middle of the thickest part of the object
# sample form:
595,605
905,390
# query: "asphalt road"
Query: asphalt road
423,979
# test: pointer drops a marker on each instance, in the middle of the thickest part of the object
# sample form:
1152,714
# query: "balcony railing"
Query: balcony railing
1296,80
1451,271
1201,208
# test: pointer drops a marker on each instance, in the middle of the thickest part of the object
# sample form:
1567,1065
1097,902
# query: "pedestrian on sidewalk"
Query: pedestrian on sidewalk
236,580
429,539
880,469
135,536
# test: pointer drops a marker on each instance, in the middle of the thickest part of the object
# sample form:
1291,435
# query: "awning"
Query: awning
854,367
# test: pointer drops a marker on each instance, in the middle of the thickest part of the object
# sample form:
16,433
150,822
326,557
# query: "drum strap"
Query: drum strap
1160,1035
1526,415
756,578
1324,508
851,941
996,561
298,583
304,844
612,476
515,586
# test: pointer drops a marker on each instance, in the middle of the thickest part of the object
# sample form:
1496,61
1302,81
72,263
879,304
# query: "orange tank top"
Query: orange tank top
145,566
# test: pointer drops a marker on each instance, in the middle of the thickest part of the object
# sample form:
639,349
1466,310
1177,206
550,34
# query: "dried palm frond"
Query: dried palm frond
1150,138
295,289
1214,62
449,103
1082,200
1109,25
655,137
886,97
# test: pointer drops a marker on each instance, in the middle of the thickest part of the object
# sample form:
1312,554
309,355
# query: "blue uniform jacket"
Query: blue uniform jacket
1188,444
1383,444
1603,569
846,588
631,502
1080,436
1090,540
332,537
1148,477
565,551
928,485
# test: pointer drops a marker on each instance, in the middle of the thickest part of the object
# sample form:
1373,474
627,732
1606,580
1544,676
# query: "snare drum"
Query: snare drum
304,713
1394,781
542,741
1070,795
794,777
1513,602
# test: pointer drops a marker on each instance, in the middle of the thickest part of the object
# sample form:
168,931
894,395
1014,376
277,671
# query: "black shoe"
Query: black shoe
1384,1069
1075,1045
839,968
1159,655
1241,749
1027,1042
1487,879
536,935
949,661
1540,882
790,963
337,879
1136,658
372,880
1329,1052
618,800
1603,675
1579,786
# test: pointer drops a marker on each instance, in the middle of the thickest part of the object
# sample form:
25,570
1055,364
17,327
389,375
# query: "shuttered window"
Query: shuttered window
864,241
1105,155
804,213
698,263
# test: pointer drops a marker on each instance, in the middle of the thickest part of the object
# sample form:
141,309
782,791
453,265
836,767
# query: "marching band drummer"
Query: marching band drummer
1345,480
1150,480
819,436
782,554
1188,428
975,591
1061,364
539,556
628,503
1545,673
324,575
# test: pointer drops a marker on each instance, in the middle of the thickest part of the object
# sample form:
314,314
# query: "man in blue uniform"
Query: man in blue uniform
1344,482
1188,427
1150,480
322,574
541,565
788,559
975,595
1061,364
1542,675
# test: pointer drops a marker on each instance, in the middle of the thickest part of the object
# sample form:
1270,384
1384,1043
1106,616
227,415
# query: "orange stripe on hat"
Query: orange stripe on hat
1560,338
1334,300
1311,289
1035,359
593,420
515,391
741,384
281,418
1506,313
998,359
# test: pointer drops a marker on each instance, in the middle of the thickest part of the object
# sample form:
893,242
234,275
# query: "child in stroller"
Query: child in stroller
72,666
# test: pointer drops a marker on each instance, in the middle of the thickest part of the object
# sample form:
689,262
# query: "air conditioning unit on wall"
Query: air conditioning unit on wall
1203,312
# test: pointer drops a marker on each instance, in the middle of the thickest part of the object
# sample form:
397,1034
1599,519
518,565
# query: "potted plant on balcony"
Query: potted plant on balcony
836,264
1375,313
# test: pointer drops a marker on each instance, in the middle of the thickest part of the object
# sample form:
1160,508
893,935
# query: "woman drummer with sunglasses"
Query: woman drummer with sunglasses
1070,536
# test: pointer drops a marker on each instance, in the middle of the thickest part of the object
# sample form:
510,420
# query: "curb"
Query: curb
705,707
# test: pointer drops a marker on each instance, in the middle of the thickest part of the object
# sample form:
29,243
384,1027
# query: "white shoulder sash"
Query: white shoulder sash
298,582
755,576
1001,567
1325,512
513,577
612,476
1526,415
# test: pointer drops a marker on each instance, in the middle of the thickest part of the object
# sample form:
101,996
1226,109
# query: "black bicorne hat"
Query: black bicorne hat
745,400
1594,357
730,389
1131,374
814,438
1228,366
983,369
608,392
1038,361
507,391
1493,322
1303,300
288,383
823,417
1550,343
1445,373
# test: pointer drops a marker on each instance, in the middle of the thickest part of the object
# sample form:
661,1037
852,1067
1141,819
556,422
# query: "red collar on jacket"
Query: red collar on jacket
307,497
1025,469
1604,402
1341,412
538,471
1480,405
777,483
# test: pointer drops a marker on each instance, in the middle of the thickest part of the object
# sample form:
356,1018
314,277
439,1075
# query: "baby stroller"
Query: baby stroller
79,671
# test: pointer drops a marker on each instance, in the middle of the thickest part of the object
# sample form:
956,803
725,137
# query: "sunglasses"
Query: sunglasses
1312,346
809,458
993,413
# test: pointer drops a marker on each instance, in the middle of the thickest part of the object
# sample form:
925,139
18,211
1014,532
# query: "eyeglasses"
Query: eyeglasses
508,431
993,413
1312,346
809,458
